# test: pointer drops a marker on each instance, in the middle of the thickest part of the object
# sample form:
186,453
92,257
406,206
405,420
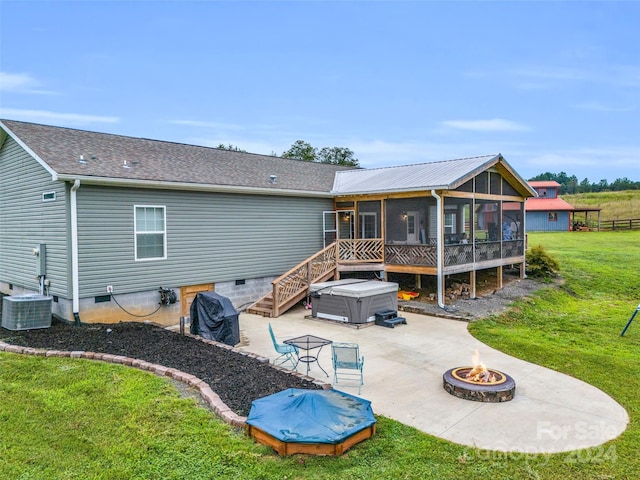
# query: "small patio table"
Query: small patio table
308,343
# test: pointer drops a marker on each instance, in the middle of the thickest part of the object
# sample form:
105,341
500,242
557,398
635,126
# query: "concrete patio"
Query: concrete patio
403,368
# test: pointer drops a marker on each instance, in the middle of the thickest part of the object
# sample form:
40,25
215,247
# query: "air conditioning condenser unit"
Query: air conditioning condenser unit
26,312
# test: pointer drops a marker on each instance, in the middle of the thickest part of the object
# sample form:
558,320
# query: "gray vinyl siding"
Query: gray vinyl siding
211,237
26,221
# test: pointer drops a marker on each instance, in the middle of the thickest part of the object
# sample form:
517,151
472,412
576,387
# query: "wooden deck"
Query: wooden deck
373,255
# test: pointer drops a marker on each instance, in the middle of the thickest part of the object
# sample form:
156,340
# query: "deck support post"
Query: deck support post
472,284
499,278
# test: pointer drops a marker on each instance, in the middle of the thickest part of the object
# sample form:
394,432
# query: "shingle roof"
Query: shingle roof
161,162
447,174
175,165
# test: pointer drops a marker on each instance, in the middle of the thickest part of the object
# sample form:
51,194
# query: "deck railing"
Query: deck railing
293,285
457,254
288,287
360,250
421,255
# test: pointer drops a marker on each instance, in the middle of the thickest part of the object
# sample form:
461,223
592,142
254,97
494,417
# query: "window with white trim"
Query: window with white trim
368,225
449,223
150,232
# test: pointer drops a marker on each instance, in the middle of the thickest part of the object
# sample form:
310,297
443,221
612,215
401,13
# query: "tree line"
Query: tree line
301,150
570,184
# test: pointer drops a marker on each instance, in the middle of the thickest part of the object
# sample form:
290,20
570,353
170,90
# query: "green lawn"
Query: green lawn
65,418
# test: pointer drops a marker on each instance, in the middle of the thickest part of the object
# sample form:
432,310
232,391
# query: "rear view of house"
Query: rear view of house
132,229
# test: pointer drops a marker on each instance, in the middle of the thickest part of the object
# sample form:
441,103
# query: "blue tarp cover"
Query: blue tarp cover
311,416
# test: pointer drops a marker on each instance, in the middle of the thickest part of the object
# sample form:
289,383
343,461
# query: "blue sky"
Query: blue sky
553,86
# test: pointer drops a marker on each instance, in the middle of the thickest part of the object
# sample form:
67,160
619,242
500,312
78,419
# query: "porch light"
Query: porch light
404,215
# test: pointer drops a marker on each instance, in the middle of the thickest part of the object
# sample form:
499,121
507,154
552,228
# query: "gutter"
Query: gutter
74,252
440,246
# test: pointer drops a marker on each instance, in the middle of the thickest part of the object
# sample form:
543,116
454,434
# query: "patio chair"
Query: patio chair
347,363
288,353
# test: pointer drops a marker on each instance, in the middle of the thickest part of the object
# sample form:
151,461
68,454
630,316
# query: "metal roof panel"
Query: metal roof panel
423,176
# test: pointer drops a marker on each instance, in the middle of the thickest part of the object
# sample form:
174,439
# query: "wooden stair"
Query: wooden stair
293,286
263,307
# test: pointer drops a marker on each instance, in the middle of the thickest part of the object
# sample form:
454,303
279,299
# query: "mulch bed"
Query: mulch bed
236,378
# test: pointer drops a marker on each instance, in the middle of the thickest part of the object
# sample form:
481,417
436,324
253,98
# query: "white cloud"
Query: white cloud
551,73
378,153
262,138
594,163
602,107
544,77
627,76
20,83
492,125
45,116
202,124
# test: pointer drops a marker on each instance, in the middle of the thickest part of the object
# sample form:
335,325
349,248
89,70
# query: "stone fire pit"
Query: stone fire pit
495,386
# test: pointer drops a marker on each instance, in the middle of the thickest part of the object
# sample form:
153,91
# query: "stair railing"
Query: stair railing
289,286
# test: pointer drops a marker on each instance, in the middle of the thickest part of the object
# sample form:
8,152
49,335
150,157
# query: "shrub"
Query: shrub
540,263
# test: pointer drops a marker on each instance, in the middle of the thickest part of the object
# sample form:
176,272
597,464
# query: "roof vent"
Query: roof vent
81,160
124,165
273,178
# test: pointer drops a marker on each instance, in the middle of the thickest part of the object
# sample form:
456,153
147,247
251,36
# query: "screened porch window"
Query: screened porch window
150,232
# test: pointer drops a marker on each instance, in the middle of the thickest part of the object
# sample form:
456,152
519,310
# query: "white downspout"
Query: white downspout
440,246
74,252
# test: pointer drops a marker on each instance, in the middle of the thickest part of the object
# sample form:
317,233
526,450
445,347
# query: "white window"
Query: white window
150,232
449,223
49,197
368,225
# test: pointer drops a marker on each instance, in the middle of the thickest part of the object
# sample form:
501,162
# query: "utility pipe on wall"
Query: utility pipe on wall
74,252
440,245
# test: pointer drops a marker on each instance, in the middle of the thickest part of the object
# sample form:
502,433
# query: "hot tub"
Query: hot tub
352,300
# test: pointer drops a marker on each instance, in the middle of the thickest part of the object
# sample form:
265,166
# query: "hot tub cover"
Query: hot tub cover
319,287
311,416
366,289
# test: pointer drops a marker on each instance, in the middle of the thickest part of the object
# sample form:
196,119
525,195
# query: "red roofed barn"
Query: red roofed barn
547,212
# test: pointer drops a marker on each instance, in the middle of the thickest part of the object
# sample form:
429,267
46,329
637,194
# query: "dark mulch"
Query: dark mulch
236,378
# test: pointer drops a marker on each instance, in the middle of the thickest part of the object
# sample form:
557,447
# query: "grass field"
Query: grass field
614,205
74,419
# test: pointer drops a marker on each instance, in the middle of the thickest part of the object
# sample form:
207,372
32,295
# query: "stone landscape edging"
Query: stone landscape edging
213,401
